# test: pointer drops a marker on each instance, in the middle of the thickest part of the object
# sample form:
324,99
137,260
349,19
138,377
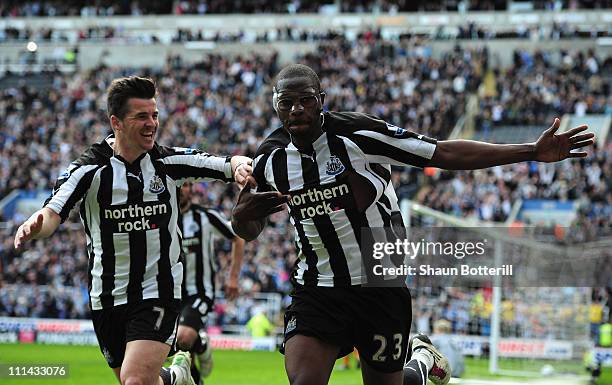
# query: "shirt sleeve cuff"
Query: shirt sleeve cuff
55,207
228,169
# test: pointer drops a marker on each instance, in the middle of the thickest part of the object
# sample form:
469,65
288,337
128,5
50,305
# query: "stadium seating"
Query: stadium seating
110,8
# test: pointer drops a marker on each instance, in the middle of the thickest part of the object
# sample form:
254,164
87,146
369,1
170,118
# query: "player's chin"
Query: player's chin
147,144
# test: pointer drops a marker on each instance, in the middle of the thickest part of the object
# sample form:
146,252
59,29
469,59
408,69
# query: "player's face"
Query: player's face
299,104
140,124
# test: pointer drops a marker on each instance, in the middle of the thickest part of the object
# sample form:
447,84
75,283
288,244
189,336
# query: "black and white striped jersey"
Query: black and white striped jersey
130,214
339,186
199,226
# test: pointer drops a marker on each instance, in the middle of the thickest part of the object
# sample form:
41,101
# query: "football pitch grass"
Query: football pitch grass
87,367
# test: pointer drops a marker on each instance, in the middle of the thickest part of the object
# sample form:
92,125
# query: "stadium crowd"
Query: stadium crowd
222,105
85,8
532,92
541,85
469,31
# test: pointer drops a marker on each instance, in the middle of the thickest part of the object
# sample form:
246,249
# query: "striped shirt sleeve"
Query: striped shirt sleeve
70,187
187,164
220,224
260,165
393,145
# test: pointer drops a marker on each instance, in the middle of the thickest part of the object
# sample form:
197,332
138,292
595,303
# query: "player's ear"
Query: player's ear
322,99
115,123
274,99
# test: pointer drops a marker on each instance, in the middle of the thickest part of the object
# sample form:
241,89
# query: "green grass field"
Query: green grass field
87,367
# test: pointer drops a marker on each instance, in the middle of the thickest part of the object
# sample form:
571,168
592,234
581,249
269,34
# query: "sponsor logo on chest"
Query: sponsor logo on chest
320,200
137,217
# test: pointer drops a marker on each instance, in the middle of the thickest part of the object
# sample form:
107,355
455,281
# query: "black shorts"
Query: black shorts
151,319
194,311
375,320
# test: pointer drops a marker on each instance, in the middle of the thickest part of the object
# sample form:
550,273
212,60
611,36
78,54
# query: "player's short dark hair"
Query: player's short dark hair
122,89
298,71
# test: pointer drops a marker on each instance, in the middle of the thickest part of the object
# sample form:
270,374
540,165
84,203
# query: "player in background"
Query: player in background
127,186
200,226
333,171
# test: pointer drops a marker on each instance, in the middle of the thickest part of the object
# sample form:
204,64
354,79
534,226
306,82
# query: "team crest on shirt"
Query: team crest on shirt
334,166
291,325
156,186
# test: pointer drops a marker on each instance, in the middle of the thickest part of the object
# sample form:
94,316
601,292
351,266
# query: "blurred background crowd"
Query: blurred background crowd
182,7
468,31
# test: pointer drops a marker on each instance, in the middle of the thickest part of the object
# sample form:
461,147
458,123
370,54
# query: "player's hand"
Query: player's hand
253,205
231,288
28,230
241,169
552,147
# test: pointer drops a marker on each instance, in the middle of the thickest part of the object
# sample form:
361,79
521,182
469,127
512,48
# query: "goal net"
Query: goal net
533,321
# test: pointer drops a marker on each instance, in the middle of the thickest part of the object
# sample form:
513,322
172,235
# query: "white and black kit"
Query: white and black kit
130,214
200,226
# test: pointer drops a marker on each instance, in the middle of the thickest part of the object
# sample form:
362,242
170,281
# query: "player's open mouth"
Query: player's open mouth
150,136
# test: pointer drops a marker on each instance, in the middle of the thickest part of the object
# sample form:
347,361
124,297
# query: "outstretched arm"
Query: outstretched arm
550,147
41,224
